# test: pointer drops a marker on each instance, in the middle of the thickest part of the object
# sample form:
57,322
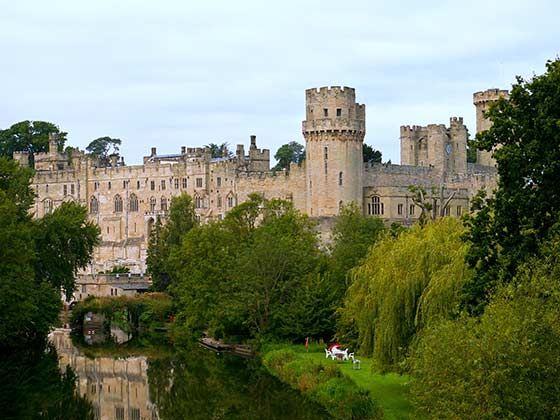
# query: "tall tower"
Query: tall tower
481,101
334,131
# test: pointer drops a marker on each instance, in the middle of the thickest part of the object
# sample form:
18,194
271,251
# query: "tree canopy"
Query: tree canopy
403,284
292,152
29,136
37,257
102,148
371,155
508,228
220,150
166,237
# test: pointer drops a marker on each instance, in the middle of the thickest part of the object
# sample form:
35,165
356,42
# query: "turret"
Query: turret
481,101
334,131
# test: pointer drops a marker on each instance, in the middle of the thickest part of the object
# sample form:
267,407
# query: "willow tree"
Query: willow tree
403,284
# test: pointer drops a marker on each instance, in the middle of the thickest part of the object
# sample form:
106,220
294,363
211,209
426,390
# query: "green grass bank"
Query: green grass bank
343,391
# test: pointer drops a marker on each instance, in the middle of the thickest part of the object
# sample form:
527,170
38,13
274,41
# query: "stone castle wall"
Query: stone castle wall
126,201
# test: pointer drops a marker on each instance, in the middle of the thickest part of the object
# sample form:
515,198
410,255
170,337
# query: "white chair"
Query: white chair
328,353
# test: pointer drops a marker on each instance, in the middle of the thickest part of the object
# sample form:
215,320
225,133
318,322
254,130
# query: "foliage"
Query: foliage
102,148
64,240
292,152
143,313
471,151
29,136
323,383
504,364
404,284
432,206
507,231
219,150
244,276
166,237
36,258
371,155
119,269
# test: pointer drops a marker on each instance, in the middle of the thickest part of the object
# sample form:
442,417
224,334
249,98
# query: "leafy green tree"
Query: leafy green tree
352,236
508,227
404,284
166,237
503,364
371,155
292,152
243,276
29,136
64,242
220,150
102,148
37,258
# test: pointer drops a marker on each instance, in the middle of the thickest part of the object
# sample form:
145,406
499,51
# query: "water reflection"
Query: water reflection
189,383
116,387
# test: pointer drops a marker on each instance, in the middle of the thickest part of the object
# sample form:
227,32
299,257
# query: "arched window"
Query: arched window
118,204
133,204
198,202
153,203
93,205
163,204
375,207
230,200
47,206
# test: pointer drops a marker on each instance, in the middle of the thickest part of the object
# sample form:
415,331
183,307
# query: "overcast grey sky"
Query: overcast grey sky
171,73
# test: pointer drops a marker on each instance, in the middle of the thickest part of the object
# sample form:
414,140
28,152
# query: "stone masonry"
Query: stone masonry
126,200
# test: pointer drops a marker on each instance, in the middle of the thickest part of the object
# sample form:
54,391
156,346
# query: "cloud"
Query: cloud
175,73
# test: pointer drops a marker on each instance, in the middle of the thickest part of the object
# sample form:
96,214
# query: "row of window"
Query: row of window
133,203
163,184
376,208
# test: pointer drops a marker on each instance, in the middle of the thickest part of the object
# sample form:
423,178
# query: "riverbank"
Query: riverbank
389,392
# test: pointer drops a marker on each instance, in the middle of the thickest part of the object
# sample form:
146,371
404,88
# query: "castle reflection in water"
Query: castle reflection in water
116,387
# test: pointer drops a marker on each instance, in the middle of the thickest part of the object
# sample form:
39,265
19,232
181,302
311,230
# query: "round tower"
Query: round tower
334,131
482,101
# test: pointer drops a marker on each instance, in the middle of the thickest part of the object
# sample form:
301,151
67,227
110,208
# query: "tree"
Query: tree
292,152
29,136
102,148
508,228
502,364
403,285
219,150
430,209
37,258
166,237
371,155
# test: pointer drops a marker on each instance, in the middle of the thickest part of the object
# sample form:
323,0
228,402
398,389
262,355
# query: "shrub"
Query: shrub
504,365
344,399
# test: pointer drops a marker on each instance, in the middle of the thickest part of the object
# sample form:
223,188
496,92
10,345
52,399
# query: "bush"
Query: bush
504,365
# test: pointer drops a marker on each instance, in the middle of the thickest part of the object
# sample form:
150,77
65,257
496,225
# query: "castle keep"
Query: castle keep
126,200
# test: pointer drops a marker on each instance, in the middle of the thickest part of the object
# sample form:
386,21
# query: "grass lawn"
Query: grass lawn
390,391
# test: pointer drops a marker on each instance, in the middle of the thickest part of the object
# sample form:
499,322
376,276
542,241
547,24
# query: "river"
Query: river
163,382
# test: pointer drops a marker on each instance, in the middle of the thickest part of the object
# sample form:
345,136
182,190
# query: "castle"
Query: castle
125,201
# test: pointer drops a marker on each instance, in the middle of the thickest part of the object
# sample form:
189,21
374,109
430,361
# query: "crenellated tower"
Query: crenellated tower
482,101
334,131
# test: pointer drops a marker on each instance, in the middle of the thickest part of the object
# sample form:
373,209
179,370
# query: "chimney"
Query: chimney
114,160
153,151
183,150
253,142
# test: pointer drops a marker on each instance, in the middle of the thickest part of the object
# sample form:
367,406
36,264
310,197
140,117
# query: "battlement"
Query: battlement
489,95
407,129
455,120
315,94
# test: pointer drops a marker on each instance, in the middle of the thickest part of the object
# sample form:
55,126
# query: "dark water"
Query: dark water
165,383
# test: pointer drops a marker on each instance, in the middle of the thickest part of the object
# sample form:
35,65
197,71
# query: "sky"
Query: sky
184,73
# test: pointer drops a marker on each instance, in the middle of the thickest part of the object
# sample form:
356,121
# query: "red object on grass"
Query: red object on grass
335,345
